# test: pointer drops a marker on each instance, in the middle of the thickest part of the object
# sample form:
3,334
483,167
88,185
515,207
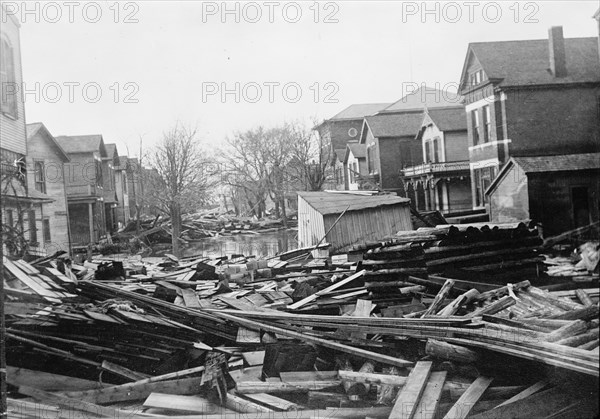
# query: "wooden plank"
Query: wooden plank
132,391
372,378
273,402
47,381
428,405
308,376
374,356
254,358
190,298
122,371
408,399
194,404
253,387
26,279
333,287
525,393
70,404
238,404
465,403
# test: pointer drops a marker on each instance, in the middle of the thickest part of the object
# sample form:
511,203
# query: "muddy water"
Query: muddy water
260,245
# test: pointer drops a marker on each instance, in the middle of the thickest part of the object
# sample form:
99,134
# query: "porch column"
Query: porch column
91,221
426,190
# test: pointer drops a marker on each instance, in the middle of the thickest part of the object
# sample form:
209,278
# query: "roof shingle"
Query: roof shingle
336,203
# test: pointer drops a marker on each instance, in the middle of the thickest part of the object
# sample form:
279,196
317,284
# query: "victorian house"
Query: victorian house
441,180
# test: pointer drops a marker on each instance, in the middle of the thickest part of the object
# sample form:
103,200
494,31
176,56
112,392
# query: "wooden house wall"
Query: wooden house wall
550,198
310,224
367,224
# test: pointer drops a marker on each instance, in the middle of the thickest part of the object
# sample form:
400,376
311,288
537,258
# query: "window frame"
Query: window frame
39,176
46,230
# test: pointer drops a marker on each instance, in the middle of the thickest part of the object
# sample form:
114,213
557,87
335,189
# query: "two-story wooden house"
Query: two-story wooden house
45,175
337,131
21,207
529,98
441,181
85,187
389,136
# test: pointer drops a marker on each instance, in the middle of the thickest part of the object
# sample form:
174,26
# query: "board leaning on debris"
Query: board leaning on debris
450,321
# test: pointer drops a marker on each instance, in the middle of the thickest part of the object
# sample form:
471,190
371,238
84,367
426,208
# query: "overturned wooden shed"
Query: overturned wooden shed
365,217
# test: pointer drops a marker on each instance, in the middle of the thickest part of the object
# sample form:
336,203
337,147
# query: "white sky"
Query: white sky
372,53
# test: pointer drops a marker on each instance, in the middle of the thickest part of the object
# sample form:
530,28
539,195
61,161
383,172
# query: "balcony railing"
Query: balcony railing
432,168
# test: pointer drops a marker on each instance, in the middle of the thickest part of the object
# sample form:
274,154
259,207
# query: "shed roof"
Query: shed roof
336,203
548,164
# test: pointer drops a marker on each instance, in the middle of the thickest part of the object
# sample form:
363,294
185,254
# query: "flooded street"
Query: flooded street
260,245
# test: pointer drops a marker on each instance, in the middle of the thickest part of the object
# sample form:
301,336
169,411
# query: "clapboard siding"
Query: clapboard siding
13,136
310,221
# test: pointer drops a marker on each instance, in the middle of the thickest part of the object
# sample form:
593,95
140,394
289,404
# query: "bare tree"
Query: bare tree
182,175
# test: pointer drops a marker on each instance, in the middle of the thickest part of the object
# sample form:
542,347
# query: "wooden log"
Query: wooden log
450,352
462,300
439,298
494,307
590,345
574,328
132,391
502,291
583,297
559,302
251,387
47,381
577,341
585,313
466,402
408,398
428,404
389,379
69,404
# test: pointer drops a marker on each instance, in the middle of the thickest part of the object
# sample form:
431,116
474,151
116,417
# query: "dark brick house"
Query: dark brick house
390,136
529,98
340,129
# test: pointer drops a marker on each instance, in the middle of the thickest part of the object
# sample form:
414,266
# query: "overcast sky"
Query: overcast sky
157,63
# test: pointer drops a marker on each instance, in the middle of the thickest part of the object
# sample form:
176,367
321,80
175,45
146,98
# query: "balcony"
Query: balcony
437,168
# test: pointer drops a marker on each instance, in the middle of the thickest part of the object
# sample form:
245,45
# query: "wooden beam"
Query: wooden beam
428,405
466,402
325,291
525,393
408,399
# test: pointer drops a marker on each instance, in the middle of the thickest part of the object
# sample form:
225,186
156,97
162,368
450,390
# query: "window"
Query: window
40,177
124,181
46,228
8,88
32,228
435,145
476,78
483,179
487,124
475,125
98,173
427,152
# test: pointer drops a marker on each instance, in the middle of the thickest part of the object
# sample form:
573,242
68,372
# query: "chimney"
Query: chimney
556,46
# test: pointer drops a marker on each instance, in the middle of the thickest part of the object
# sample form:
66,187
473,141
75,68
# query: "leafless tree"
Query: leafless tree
182,175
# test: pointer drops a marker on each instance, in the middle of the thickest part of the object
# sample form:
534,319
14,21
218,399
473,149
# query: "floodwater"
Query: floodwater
259,245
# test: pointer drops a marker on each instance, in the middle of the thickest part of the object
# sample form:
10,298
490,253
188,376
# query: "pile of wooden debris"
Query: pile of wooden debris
444,322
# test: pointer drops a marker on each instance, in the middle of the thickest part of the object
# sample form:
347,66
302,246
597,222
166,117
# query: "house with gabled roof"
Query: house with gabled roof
560,192
389,136
85,187
441,181
355,165
337,131
45,175
528,98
